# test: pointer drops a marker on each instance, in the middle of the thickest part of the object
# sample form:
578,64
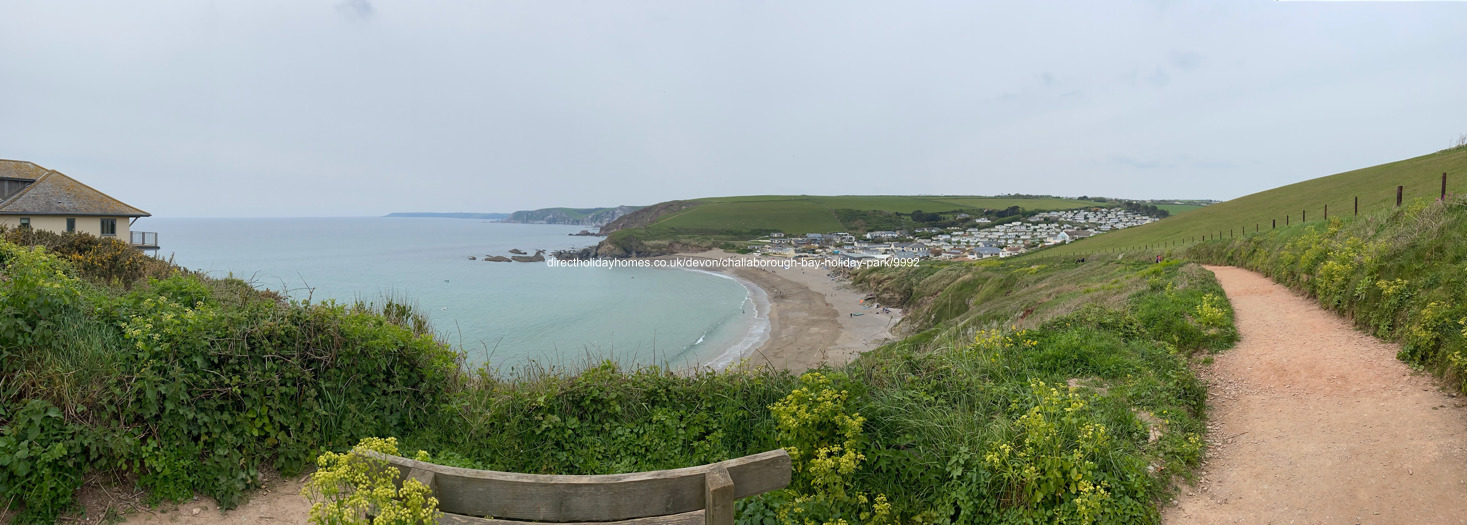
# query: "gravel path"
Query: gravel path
1315,422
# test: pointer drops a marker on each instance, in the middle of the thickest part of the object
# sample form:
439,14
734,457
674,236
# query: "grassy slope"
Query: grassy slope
1376,187
1175,209
798,214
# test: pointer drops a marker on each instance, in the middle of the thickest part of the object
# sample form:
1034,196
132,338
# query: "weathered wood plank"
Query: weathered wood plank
422,476
688,518
538,497
719,490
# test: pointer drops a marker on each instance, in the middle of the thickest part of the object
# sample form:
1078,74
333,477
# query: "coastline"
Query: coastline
809,315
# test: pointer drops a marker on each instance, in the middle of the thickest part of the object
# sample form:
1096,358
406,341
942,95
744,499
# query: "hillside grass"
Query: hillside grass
1397,273
731,217
1175,209
1375,186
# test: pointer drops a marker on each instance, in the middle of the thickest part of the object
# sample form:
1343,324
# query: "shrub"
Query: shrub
41,461
356,488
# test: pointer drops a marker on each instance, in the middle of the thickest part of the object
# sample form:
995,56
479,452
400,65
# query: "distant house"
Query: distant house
1075,235
984,252
35,197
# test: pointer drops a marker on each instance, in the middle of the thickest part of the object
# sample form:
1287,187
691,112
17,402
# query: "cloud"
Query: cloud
1178,161
1159,78
356,9
1138,164
1186,60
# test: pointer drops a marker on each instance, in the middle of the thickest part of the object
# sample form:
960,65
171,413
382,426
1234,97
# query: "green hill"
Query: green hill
1289,205
725,221
798,214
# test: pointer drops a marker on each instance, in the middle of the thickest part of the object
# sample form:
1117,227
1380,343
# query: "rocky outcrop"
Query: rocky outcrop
646,216
495,258
517,251
538,257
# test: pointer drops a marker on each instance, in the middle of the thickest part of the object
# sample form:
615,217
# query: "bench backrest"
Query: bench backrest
679,493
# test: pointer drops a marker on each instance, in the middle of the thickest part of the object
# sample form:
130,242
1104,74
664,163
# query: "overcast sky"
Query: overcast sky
363,107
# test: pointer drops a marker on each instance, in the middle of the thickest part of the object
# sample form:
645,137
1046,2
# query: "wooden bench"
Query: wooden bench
703,494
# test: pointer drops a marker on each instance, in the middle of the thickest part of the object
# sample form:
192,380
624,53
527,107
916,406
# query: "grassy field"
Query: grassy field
1375,186
998,203
1175,209
797,214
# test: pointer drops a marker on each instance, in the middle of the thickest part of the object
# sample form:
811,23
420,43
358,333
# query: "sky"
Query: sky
363,107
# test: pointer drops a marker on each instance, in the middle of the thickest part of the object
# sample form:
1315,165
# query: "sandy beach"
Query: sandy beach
810,314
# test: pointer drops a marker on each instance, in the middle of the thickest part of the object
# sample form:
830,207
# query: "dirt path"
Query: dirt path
278,503
1315,422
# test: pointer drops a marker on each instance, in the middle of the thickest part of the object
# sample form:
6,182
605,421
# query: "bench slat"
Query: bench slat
551,498
689,518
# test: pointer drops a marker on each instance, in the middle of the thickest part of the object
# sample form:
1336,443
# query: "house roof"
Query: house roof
19,169
54,193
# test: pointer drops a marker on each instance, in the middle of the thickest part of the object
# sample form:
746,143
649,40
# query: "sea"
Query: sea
514,317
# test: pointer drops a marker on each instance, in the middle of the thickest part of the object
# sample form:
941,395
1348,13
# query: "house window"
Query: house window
109,226
25,222
71,225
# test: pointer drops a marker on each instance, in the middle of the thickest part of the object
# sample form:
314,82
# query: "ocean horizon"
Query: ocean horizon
513,316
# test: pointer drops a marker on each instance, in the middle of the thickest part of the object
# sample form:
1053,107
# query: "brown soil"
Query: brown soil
1314,422
278,502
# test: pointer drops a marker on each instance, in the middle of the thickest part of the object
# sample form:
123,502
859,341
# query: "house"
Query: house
984,252
35,197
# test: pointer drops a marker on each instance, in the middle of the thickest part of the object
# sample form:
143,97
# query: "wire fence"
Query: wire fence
1162,248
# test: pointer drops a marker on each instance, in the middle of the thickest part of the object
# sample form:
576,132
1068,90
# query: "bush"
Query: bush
41,461
356,488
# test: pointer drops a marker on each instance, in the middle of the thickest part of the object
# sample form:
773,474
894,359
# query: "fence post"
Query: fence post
1326,212
1304,216
1275,224
1399,189
1357,205
1444,185
1286,219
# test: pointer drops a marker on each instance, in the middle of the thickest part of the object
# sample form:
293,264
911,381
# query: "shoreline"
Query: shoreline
810,316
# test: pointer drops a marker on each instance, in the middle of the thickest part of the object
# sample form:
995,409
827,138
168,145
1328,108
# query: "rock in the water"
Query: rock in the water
496,258
538,257
472,258
517,251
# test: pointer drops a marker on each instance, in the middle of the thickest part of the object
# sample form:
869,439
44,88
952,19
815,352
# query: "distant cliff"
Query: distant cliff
574,216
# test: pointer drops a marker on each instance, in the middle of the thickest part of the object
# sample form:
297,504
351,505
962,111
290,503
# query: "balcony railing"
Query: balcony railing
144,240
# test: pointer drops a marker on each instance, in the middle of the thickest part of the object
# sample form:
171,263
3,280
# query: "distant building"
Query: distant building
35,197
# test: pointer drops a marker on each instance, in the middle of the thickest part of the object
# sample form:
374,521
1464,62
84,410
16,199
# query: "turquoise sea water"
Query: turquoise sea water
505,313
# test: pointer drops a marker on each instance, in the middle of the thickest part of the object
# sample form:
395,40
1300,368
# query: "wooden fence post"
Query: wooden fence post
1326,212
1357,206
1444,185
718,497
1286,219
1399,190
1275,224
1304,216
